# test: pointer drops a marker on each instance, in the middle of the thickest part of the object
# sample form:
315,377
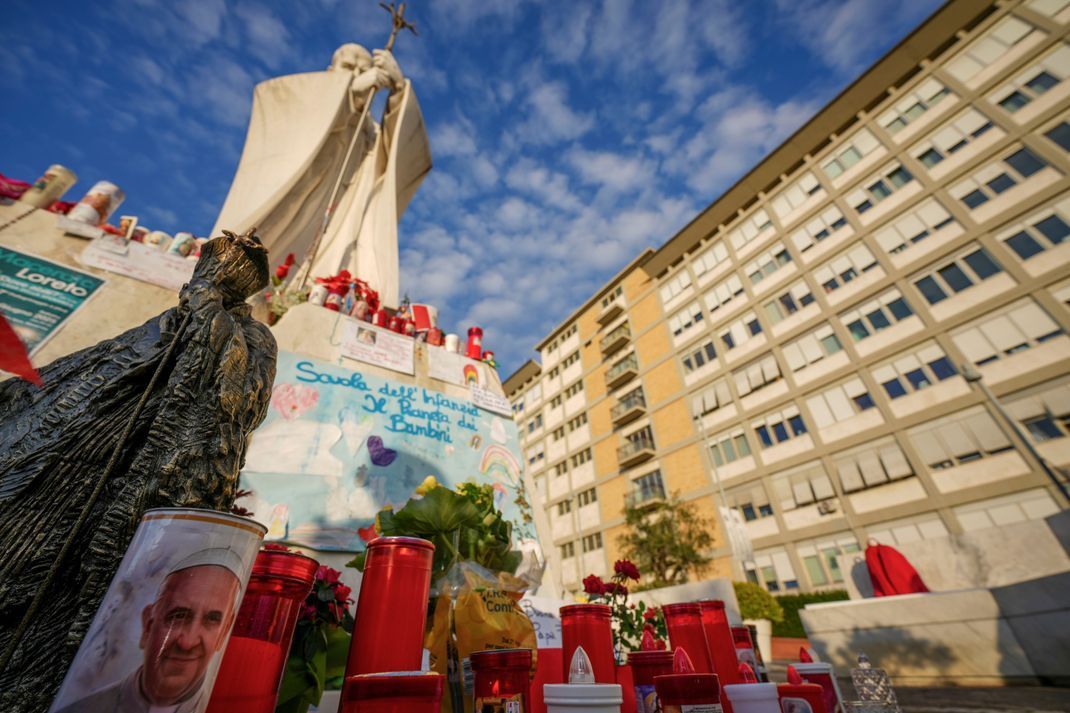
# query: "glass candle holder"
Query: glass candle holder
589,626
388,633
684,622
249,677
502,680
719,639
645,666
397,692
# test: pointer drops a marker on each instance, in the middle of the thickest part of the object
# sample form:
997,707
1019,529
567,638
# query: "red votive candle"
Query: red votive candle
719,639
684,622
397,692
687,690
475,348
388,634
645,666
381,319
798,696
588,625
503,680
249,677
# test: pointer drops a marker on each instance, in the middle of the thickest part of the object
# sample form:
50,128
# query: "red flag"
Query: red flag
13,356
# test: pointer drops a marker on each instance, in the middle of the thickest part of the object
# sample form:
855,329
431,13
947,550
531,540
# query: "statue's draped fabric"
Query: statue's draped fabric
186,450
298,133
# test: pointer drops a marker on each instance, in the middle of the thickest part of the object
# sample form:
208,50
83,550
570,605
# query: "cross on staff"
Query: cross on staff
397,17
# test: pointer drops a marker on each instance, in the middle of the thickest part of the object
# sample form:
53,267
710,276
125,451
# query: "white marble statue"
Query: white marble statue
299,132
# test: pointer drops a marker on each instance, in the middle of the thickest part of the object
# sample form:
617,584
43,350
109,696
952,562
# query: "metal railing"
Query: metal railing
627,403
628,362
621,333
634,446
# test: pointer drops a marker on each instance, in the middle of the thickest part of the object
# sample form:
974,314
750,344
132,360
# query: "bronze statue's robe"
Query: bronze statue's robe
186,450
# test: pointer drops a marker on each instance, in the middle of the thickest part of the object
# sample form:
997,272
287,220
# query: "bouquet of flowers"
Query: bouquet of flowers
631,622
320,645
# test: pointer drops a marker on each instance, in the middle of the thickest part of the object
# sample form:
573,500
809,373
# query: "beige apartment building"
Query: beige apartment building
798,352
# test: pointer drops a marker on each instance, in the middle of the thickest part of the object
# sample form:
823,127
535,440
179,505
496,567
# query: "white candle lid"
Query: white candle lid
751,692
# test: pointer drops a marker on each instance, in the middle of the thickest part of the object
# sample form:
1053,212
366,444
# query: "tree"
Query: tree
666,539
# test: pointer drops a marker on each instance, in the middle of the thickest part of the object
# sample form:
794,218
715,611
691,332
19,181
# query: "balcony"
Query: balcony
640,497
630,408
610,312
622,372
635,451
616,339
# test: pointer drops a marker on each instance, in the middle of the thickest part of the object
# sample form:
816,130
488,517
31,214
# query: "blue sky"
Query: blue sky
566,136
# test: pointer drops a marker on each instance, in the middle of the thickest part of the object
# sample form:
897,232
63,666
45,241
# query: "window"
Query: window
789,302
1060,135
913,226
740,331
912,105
1034,82
840,403
778,427
828,222
1015,329
643,438
711,398
1043,411
871,465
577,422
592,542
581,457
647,487
773,568
553,373
574,389
568,550
752,503
561,468
767,263
564,507
989,48
811,348
845,267
996,178
912,529
535,455
570,359
876,315
613,295
802,190
960,274
556,401
728,448
820,558
757,375
915,370
1051,8
1033,504
535,423
724,292
751,228
711,258
878,187
961,438
587,497
802,486
850,152
685,319
675,285
559,433
951,138
699,357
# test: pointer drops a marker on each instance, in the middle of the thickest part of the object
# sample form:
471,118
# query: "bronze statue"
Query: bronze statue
73,452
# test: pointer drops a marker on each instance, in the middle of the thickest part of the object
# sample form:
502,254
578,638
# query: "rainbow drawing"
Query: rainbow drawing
471,375
500,463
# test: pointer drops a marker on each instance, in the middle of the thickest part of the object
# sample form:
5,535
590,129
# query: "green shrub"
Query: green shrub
791,625
756,603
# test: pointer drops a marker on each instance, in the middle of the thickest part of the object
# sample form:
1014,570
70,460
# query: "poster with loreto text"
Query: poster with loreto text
339,445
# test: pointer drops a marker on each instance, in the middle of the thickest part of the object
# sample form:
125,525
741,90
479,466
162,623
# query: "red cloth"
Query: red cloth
891,573
13,356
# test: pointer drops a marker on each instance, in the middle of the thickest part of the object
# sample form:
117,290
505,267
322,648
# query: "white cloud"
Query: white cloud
268,39
454,138
613,170
205,18
223,89
551,119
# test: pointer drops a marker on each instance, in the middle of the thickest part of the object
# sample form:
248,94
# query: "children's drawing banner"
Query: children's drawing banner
339,445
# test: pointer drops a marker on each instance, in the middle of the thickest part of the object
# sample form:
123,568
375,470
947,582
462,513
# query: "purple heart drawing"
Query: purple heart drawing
381,455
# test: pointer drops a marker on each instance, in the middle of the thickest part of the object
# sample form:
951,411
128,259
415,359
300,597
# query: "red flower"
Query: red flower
367,534
309,612
593,584
328,575
289,259
626,568
342,592
276,547
650,614
613,588
282,271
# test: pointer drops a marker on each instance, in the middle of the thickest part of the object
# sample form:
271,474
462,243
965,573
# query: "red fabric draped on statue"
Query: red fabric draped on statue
891,573
13,356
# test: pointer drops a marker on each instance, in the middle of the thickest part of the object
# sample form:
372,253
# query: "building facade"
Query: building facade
798,353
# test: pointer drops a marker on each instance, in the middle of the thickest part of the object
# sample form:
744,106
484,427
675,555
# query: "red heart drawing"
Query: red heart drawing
291,401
